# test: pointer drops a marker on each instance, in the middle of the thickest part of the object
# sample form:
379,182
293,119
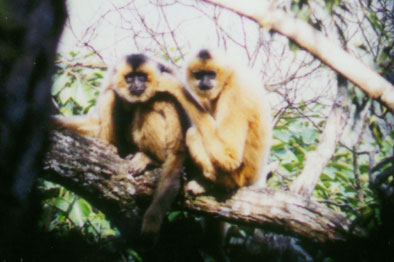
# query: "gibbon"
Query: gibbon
133,116
232,131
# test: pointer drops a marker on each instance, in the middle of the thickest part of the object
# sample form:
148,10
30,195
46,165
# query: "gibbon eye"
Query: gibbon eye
198,75
141,76
136,76
208,74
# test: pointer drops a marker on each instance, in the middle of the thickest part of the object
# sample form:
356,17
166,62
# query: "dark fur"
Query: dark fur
136,60
153,128
204,54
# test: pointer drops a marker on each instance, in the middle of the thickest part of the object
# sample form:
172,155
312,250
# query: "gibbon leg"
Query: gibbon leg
165,194
139,162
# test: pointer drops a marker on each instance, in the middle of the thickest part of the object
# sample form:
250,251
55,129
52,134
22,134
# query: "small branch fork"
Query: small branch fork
312,40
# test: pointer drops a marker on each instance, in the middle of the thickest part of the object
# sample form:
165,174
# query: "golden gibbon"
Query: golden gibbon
231,134
134,117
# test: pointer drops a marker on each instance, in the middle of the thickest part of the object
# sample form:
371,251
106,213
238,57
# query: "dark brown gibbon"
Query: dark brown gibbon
134,117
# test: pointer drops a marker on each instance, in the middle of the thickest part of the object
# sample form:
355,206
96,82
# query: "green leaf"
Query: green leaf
300,152
282,135
330,172
329,4
293,46
320,186
286,154
375,22
325,177
383,56
77,214
67,93
308,135
277,144
102,223
134,255
387,146
100,215
46,215
342,166
288,166
84,206
377,133
61,204
84,94
59,84
99,75
108,232
73,54
342,176
94,77
173,215
66,111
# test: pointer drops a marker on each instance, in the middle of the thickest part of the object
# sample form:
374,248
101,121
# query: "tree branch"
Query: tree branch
95,171
317,159
317,44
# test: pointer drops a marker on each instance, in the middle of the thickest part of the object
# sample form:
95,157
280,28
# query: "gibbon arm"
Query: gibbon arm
223,139
97,124
199,154
88,125
105,107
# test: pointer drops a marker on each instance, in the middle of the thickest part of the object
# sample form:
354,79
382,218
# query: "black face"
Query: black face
137,82
205,78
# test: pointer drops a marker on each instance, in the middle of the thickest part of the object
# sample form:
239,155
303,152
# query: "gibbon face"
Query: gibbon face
207,75
135,79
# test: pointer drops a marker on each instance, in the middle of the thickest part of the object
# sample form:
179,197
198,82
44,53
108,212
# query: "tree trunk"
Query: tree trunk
29,32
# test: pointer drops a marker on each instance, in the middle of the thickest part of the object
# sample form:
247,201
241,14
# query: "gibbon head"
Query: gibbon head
207,74
137,76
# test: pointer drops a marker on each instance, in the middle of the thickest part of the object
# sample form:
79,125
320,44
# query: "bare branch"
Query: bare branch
317,44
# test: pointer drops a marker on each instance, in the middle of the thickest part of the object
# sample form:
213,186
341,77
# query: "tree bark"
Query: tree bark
95,171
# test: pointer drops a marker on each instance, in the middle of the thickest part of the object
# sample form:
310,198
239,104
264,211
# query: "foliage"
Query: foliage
296,133
346,184
63,209
74,91
75,86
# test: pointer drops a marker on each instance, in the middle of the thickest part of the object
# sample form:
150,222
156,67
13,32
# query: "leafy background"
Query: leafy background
74,91
346,184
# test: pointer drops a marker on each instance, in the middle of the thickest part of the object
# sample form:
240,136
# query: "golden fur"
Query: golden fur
149,123
231,136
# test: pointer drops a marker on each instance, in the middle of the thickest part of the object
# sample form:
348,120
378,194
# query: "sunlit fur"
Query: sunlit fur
151,125
231,140
123,68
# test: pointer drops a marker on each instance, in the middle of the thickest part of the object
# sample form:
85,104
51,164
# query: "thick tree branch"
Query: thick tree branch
96,172
317,44
317,159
